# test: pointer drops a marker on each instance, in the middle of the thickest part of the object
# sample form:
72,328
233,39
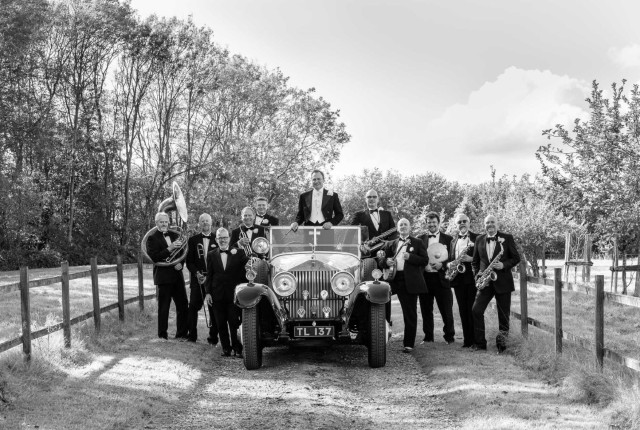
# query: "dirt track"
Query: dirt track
312,387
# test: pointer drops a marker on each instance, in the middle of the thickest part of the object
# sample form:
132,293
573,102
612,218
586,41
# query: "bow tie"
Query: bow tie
371,211
432,236
245,228
490,239
165,234
462,237
206,236
224,251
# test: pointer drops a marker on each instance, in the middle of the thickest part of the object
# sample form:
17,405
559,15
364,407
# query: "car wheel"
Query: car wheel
367,266
262,272
377,335
251,339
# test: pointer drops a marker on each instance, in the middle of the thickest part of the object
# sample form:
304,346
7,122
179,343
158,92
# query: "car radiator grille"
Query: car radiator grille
314,282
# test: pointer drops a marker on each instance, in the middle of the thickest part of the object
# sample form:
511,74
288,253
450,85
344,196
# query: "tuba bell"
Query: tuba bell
177,204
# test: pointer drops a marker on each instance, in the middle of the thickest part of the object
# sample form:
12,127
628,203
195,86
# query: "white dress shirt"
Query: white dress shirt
400,250
491,246
375,218
223,257
461,244
316,206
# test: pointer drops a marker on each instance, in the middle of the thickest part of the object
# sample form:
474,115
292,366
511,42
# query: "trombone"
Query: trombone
200,249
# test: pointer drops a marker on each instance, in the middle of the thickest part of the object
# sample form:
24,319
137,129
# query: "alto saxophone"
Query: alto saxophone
488,274
457,266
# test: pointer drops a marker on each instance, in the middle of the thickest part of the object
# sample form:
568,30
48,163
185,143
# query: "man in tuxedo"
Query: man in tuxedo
225,270
199,247
376,219
408,255
464,285
263,219
438,287
318,206
248,231
169,279
486,249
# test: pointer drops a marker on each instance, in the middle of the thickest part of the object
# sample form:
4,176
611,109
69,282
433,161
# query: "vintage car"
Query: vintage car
314,285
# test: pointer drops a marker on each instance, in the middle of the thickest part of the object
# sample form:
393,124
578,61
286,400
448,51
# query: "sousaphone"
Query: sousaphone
437,253
177,204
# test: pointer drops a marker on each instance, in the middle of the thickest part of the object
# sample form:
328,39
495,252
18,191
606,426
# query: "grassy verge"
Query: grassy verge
614,390
66,388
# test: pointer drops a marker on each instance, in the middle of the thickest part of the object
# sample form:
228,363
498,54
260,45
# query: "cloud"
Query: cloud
627,56
501,124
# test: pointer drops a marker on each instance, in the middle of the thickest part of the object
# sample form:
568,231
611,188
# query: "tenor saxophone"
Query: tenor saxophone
457,266
488,274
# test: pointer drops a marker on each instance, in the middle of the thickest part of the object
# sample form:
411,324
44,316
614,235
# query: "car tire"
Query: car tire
262,272
367,266
251,339
377,335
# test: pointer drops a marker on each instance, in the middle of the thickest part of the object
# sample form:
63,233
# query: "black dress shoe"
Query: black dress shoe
238,354
450,341
475,347
226,353
466,345
407,350
501,349
212,341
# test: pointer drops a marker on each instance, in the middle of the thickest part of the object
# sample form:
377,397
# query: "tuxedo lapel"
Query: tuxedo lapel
325,198
497,248
307,200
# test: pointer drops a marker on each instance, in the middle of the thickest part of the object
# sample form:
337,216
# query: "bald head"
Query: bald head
491,225
404,227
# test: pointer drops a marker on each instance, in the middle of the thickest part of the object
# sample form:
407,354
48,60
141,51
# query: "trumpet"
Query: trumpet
488,274
457,266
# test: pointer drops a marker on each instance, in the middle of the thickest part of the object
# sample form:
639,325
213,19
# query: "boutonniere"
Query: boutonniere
329,193
501,239
411,249
471,244
233,251
212,245
265,221
255,231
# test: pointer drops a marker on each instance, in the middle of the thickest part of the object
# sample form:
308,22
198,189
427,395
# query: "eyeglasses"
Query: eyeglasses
222,238
464,221
372,197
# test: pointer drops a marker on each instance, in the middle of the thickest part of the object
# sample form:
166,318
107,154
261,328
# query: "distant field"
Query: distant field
600,267
46,301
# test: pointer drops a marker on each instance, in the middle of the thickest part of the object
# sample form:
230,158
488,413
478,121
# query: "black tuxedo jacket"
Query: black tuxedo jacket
386,223
268,220
413,267
195,258
465,278
235,234
221,282
444,239
157,249
510,258
331,208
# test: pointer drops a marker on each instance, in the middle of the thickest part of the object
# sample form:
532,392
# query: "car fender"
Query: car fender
378,292
249,295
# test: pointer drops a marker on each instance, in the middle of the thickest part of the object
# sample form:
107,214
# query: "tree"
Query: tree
593,173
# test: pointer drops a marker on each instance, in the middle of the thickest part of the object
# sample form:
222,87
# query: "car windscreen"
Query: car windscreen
308,239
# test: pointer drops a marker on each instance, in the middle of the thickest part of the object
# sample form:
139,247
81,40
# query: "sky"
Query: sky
451,87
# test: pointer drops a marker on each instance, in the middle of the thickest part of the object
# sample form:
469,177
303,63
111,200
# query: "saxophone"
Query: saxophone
488,274
457,266
373,245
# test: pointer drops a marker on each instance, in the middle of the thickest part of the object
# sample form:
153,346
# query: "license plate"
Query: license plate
313,331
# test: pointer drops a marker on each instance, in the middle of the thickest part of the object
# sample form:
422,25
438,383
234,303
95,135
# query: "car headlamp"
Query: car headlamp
260,245
343,283
284,284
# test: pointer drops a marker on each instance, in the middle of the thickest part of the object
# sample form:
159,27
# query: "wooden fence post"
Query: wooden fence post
140,283
586,270
614,263
96,293
567,254
524,313
119,276
558,294
599,320
66,307
25,309
544,260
